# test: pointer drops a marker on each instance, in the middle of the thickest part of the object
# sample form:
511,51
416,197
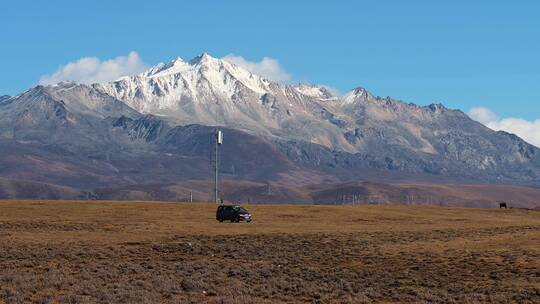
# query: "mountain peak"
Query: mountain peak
360,91
174,66
316,91
178,65
176,61
437,107
203,58
357,94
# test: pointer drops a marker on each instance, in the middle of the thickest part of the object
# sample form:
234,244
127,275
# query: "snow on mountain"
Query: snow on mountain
211,91
355,95
308,124
315,91
168,86
214,91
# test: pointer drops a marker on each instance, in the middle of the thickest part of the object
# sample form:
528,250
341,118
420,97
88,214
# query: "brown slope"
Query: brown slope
202,190
425,194
483,196
17,189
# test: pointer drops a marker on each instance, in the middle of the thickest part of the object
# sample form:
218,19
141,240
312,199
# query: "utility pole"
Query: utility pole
219,142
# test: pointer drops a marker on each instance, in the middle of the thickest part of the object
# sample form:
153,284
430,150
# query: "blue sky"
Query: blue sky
464,54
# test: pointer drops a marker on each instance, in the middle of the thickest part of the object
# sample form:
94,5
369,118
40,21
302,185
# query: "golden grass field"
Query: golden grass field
148,252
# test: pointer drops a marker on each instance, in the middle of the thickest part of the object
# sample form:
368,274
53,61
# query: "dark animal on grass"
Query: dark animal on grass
503,205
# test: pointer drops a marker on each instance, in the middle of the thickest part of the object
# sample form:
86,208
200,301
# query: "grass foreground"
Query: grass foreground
147,252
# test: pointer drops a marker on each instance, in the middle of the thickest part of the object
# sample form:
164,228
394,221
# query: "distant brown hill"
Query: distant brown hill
17,189
482,196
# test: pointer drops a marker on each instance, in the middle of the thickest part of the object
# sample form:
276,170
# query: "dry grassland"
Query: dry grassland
142,252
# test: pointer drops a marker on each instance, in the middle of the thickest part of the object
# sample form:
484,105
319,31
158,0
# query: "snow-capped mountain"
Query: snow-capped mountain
212,91
139,129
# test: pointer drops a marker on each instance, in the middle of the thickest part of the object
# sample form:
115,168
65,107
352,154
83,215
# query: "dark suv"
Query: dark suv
233,213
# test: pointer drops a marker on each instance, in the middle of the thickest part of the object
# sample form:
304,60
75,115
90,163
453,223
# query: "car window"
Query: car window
239,209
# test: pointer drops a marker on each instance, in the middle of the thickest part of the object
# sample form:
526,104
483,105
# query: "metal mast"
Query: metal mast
219,141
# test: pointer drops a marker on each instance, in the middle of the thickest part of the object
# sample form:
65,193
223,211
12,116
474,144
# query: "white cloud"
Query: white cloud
267,67
483,115
90,70
528,130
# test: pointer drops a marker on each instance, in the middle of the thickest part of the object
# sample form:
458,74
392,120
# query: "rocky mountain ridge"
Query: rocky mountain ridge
157,127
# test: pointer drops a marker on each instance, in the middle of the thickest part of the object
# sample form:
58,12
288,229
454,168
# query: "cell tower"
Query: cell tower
219,142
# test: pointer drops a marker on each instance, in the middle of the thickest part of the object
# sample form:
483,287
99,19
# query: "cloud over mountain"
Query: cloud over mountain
88,70
267,67
528,130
